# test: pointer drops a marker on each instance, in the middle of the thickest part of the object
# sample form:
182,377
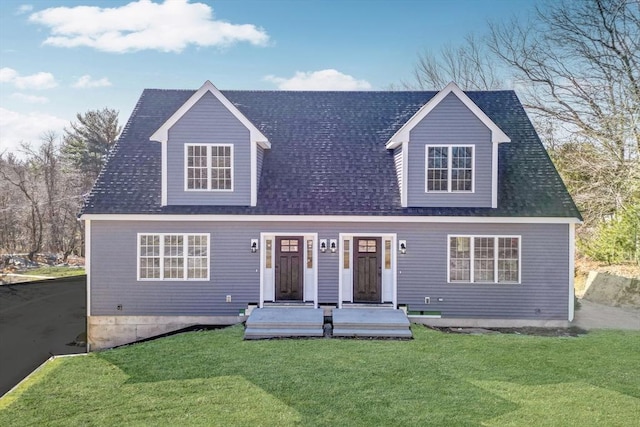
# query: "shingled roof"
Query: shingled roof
328,157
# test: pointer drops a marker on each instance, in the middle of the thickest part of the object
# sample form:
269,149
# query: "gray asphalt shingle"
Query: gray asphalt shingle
328,157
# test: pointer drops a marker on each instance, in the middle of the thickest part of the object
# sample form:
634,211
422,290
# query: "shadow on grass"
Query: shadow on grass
435,378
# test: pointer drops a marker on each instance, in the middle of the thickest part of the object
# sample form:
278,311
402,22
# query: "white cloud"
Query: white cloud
17,127
169,27
86,81
39,80
30,99
319,80
7,75
25,8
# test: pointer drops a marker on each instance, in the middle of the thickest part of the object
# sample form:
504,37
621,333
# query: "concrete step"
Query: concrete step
367,305
273,322
374,322
294,304
376,316
372,333
381,326
261,333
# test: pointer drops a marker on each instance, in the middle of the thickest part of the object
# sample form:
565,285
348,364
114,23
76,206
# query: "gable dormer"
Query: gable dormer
211,153
446,155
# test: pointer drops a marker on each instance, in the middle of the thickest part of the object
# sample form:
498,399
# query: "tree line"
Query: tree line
43,187
575,66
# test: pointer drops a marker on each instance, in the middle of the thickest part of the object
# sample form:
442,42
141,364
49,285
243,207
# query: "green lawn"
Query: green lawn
55,271
214,378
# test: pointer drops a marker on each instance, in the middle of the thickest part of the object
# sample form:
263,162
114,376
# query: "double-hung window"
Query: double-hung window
173,256
484,259
449,168
209,167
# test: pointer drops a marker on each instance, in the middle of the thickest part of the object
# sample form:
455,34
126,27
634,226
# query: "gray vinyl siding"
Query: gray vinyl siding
422,271
114,277
209,122
259,161
397,159
449,123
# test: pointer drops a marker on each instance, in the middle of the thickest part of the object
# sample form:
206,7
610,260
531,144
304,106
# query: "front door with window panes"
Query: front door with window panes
289,268
367,269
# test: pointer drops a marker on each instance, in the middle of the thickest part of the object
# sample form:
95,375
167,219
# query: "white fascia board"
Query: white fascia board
254,174
162,134
332,219
494,176
87,262
402,135
164,182
405,175
572,261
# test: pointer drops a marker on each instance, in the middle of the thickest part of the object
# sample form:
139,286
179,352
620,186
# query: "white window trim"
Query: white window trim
495,258
449,168
185,242
209,167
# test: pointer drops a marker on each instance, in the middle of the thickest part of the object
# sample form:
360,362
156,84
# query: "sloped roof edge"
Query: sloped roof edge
162,134
402,135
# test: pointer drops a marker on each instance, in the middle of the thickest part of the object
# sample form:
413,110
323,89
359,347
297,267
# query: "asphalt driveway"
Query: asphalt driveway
38,320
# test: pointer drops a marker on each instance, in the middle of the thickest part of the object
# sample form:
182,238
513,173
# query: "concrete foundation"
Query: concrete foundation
110,331
489,323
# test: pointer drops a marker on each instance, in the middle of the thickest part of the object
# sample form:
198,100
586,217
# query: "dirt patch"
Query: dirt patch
541,332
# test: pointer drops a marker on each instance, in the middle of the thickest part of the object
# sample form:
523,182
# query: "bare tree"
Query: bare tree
10,227
577,65
24,176
60,202
469,65
41,191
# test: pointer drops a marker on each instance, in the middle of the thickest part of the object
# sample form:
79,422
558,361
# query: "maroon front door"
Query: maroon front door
367,269
289,257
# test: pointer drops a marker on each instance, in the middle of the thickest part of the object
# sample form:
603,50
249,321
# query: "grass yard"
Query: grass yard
213,378
61,271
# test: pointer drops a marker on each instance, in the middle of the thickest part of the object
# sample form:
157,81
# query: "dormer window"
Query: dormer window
449,168
209,167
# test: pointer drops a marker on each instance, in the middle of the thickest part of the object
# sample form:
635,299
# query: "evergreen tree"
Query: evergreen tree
88,141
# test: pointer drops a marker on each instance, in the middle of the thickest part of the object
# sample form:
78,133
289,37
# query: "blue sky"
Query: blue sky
59,58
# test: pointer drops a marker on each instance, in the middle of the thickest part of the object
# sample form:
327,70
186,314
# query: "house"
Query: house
213,202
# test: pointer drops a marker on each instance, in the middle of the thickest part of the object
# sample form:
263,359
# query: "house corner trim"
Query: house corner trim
572,262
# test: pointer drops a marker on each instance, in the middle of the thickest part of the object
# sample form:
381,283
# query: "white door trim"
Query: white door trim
270,275
394,264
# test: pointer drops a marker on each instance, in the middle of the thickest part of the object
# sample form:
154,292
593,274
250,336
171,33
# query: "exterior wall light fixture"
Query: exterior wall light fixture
333,245
402,246
323,245
254,245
